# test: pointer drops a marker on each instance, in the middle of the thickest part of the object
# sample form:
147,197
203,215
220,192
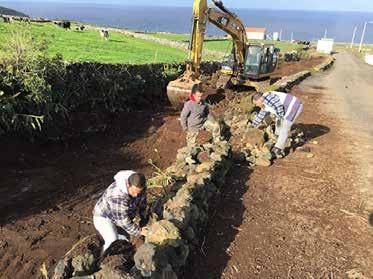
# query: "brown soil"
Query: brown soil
47,193
301,218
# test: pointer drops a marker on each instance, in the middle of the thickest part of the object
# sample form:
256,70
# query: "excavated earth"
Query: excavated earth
48,190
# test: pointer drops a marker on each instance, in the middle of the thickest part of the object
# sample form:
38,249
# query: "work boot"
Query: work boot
277,153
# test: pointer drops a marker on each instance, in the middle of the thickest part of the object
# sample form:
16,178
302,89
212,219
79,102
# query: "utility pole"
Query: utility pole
326,32
363,34
353,37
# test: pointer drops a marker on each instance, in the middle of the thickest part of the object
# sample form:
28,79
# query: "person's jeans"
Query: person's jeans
108,230
211,126
283,128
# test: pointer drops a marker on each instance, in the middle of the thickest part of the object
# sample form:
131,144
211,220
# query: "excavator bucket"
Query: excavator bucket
179,90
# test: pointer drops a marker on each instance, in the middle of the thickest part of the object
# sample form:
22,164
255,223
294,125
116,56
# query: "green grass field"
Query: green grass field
88,45
225,45
120,48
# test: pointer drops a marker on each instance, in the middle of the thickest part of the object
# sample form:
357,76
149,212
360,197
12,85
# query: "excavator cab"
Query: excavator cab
260,61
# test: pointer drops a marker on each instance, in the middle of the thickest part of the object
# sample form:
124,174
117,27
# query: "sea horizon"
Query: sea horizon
307,25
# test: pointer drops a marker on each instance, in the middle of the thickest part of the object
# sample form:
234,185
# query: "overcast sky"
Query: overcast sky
335,5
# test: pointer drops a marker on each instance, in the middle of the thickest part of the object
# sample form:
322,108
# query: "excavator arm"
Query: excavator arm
232,25
224,20
198,34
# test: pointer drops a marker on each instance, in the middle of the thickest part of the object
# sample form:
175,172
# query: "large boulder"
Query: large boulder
163,233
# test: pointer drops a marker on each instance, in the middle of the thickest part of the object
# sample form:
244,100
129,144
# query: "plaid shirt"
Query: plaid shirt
272,101
121,208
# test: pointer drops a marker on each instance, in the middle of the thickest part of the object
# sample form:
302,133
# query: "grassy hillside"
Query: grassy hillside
120,48
224,45
6,11
88,45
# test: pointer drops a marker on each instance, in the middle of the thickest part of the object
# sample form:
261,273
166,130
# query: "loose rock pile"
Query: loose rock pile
254,145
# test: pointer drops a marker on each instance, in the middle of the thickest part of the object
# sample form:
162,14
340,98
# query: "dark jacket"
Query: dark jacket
194,115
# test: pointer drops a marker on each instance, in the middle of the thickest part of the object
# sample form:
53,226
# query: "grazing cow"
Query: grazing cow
66,24
63,24
104,34
8,19
80,28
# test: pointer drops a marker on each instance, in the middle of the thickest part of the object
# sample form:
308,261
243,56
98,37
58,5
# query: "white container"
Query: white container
276,36
369,59
325,46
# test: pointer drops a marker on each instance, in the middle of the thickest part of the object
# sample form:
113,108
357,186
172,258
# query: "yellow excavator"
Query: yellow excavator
248,64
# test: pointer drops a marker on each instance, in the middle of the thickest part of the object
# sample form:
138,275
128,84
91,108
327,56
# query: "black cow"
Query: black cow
64,24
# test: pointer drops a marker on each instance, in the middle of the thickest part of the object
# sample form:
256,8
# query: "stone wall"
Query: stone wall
111,87
286,83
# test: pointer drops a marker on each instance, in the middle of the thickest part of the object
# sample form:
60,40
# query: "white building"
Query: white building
276,36
325,46
369,59
254,33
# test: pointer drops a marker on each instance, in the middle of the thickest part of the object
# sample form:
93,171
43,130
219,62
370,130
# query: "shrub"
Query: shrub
26,74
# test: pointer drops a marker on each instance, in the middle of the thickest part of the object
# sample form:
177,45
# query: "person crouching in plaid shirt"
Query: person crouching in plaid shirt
114,212
285,107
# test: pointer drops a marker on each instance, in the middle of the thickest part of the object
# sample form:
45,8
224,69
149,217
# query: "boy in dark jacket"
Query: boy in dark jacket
195,116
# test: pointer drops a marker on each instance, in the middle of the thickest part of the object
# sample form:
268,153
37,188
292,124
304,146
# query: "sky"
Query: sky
327,5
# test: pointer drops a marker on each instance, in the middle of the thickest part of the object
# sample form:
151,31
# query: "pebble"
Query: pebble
310,155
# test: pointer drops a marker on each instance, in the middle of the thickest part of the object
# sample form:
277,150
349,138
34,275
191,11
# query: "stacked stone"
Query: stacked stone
203,169
286,83
249,144
325,66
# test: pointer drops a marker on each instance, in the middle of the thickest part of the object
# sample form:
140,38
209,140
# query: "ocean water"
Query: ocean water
305,25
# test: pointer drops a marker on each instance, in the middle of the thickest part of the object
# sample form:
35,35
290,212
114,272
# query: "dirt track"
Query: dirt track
304,217
48,191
